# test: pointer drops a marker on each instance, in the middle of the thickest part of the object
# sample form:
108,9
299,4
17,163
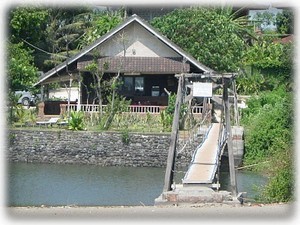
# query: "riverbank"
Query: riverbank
93,148
218,212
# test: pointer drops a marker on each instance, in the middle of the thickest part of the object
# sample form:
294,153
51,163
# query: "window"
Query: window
128,85
139,85
133,86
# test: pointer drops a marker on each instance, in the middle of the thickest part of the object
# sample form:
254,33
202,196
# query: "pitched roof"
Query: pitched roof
165,65
108,35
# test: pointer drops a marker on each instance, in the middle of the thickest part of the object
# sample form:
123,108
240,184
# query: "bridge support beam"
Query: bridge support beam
229,138
169,175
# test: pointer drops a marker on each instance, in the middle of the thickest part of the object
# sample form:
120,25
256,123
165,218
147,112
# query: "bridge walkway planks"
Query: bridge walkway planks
206,159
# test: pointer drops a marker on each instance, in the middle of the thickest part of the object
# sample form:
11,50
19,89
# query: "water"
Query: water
247,181
51,184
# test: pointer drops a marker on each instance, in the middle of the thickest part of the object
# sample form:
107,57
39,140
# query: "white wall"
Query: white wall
63,94
138,42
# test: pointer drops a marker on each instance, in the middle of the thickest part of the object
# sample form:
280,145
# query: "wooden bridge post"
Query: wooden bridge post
229,138
169,175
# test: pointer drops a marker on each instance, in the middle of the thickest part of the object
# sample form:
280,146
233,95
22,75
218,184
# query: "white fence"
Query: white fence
152,109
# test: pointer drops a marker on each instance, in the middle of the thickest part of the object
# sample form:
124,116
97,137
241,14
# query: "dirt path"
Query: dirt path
276,212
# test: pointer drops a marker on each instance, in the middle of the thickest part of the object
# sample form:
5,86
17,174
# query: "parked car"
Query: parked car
26,98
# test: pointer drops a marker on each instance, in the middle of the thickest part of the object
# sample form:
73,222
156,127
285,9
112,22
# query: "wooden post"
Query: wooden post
236,110
229,139
79,94
69,94
172,149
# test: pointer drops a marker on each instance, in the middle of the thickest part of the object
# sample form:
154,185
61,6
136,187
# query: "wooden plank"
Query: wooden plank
205,161
199,174
172,149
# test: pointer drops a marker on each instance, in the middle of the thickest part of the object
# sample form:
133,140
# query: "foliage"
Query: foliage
219,43
27,23
280,187
100,24
258,80
250,83
97,75
136,122
65,28
268,122
56,33
21,71
166,120
265,53
21,116
285,22
166,116
76,121
120,105
266,65
125,136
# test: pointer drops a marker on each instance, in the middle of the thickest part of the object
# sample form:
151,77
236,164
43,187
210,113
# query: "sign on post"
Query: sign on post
202,89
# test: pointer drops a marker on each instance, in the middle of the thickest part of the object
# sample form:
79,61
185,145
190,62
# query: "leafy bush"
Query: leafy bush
166,120
166,116
76,121
125,136
268,122
280,187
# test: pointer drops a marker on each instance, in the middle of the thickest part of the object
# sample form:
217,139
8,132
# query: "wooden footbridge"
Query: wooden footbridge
206,158
199,182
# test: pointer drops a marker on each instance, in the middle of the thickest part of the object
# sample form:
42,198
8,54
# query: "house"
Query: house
146,60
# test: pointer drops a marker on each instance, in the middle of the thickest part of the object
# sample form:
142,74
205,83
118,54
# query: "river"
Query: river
34,184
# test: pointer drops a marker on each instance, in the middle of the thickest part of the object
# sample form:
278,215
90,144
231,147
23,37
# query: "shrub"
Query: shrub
280,187
76,121
268,122
125,136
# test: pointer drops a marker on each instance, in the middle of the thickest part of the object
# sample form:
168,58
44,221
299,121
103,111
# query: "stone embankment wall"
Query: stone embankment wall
99,148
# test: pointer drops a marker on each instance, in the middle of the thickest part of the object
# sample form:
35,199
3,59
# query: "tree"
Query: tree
97,72
65,28
22,73
285,22
266,65
28,23
101,23
219,43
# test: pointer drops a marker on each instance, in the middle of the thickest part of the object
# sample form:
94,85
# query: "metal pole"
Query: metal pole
229,139
172,149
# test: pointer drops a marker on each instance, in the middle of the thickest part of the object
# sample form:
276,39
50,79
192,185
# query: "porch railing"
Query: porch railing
152,109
